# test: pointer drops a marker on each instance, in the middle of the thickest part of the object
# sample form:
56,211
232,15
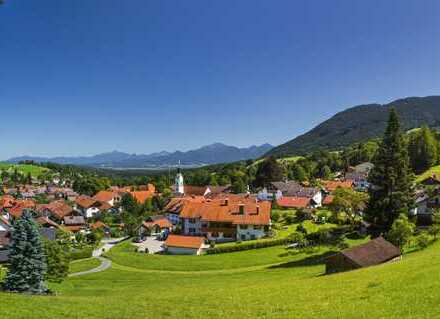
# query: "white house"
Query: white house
185,245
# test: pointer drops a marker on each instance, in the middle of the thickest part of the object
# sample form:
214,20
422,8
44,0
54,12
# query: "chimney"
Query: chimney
226,201
241,209
258,209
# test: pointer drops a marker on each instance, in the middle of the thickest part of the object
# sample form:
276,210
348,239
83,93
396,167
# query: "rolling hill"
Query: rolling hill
206,155
361,123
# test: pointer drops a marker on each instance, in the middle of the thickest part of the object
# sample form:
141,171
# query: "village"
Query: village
198,220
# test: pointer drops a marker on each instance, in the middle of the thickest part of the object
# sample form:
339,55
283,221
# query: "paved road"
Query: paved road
105,263
154,246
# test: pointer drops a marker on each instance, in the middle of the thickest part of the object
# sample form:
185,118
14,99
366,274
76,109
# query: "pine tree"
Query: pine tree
27,260
391,178
268,171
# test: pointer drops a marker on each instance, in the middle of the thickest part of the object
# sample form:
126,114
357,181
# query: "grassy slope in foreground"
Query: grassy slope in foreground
83,265
406,289
24,168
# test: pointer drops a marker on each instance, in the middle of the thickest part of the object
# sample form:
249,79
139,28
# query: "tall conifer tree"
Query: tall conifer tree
391,178
27,260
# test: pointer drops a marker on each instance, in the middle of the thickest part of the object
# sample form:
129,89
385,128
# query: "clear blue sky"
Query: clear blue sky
87,76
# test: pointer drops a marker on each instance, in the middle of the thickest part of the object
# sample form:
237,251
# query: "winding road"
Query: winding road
97,253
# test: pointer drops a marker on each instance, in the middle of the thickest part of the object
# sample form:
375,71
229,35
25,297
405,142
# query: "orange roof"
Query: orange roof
254,213
98,224
141,196
105,196
162,223
59,208
294,202
21,205
85,201
7,201
333,185
184,241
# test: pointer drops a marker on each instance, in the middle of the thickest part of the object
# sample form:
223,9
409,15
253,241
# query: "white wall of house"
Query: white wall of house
317,198
249,232
183,251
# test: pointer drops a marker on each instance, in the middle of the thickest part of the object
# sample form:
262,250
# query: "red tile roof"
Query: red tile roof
86,201
254,213
99,224
184,241
105,196
58,208
333,185
21,205
141,196
293,202
162,223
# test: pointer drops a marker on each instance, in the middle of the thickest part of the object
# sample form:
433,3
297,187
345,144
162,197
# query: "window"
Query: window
191,221
192,230
252,237
243,237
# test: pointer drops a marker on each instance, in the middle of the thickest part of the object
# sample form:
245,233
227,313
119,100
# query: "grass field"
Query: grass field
83,265
296,289
23,168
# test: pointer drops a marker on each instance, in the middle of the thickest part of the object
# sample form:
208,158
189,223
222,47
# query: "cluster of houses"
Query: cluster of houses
66,211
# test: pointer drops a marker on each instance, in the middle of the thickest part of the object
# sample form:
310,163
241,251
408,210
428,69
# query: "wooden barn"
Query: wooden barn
374,252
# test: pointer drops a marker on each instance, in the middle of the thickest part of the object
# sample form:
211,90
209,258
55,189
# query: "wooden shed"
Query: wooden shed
374,252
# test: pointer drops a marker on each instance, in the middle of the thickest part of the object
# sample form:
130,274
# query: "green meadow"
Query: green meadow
23,168
264,283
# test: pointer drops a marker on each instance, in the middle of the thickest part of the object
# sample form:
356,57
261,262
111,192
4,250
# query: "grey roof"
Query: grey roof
356,176
292,188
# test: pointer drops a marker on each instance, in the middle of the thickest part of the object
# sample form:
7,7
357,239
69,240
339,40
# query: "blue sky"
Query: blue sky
87,76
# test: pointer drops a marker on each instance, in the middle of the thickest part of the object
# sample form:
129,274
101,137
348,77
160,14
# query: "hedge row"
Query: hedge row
248,246
84,253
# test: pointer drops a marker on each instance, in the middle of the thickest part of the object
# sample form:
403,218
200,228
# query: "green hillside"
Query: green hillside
293,287
361,123
23,168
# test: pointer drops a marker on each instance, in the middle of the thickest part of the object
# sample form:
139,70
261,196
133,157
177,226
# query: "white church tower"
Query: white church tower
180,189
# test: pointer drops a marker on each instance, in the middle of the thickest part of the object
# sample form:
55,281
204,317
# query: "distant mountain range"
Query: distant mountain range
212,154
361,123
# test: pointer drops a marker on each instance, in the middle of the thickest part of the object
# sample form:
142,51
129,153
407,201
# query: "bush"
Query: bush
83,253
275,216
3,271
248,246
423,240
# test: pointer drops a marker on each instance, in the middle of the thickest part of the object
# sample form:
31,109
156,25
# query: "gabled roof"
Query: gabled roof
141,196
374,252
292,188
334,185
58,208
105,196
20,206
294,202
161,222
86,201
99,224
184,241
254,213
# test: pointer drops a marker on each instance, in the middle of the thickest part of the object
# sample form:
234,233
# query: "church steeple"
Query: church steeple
180,188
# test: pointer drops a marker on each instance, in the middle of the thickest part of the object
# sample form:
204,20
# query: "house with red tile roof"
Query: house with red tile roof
56,210
294,202
185,245
89,207
226,219
331,186
109,197
142,196
154,225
